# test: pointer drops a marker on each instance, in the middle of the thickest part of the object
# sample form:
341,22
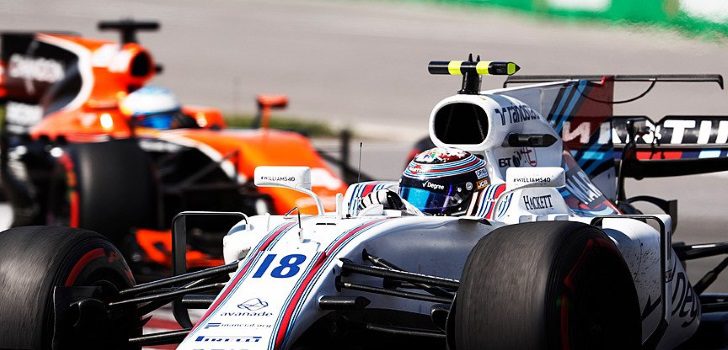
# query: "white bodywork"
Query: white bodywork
287,264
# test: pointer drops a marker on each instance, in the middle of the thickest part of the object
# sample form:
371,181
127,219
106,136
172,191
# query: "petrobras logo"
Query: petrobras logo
227,339
34,68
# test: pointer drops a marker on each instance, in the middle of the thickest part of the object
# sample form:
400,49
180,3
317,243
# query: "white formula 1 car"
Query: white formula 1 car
551,260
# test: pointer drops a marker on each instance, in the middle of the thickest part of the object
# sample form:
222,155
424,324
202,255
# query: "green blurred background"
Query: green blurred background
699,17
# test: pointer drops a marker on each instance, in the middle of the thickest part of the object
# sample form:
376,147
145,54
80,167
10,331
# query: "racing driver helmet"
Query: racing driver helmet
155,107
444,181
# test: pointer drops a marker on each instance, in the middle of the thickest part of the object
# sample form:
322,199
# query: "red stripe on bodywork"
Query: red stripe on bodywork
498,191
224,294
82,263
647,155
367,190
272,237
280,336
239,276
281,332
340,241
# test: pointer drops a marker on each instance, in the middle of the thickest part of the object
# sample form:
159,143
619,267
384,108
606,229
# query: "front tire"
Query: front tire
546,285
34,261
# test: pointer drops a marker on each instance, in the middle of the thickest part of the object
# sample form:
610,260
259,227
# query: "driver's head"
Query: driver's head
155,107
444,181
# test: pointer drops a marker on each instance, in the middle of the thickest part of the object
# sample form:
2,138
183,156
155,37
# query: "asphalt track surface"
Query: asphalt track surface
362,64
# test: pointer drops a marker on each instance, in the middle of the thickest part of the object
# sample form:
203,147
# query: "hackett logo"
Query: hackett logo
540,202
254,304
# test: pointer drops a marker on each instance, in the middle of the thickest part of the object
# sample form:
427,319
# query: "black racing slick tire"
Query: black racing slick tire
546,285
108,187
38,264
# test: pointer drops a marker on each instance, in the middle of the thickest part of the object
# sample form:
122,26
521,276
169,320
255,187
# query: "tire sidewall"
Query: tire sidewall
108,187
52,257
513,283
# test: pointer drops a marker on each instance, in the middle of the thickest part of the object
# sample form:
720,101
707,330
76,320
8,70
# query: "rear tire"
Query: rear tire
107,187
36,259
546,285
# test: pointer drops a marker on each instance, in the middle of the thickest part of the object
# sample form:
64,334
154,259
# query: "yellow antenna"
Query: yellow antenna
472,71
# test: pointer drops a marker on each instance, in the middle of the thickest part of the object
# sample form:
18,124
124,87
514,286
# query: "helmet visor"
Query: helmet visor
431,202
162,120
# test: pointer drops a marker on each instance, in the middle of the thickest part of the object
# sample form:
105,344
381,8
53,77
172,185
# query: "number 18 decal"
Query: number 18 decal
288,266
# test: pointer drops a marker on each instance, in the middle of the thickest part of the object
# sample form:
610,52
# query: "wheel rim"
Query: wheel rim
91,269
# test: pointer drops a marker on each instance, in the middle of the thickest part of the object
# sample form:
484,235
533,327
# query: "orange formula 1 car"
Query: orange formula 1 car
86,144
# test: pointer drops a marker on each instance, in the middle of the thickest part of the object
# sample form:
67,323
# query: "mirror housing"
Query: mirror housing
297,178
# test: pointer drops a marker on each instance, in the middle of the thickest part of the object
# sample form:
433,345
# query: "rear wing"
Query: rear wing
654,78
676,145
580,108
